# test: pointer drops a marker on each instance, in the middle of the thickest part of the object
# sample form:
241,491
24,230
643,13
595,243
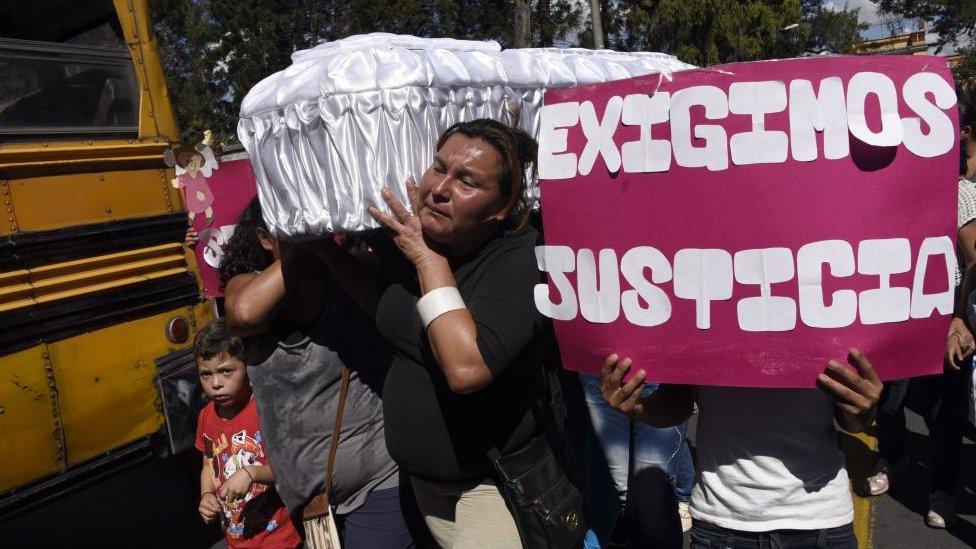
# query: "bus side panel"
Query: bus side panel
107,383
156,117
51,202
28,419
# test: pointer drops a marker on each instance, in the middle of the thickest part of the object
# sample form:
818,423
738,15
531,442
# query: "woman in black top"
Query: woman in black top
469,381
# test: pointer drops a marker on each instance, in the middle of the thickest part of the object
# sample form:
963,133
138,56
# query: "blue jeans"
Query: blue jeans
379,523
620,452
706,534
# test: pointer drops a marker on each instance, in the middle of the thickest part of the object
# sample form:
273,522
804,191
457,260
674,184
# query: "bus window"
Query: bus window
65,91
70,75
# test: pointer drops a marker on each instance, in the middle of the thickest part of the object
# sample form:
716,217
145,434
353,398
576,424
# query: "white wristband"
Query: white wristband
437,302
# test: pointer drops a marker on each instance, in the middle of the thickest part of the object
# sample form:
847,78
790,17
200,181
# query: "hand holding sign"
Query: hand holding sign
855,394
664,407
624,398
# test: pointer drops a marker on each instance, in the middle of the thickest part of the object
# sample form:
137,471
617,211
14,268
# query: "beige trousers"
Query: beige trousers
466,515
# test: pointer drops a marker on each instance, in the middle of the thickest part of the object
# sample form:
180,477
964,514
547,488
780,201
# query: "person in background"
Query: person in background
302,333
948,394
236,481
770,472
657,464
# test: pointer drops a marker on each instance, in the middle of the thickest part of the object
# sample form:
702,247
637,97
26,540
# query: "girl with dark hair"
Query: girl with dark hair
945,396
950,391
308,351
464,400
250,249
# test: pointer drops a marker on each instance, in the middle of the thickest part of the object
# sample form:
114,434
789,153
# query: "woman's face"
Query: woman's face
461,203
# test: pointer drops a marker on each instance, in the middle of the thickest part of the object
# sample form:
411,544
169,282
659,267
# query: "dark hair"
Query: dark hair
967,117
518,151
216,338
244,253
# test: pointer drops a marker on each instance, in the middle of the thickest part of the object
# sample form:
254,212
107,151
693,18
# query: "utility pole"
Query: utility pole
523,32
597,25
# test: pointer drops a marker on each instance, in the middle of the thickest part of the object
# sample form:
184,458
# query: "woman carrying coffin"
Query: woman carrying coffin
465,393
301,336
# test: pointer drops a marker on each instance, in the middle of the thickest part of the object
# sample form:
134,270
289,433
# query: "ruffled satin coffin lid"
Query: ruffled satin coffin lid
350,117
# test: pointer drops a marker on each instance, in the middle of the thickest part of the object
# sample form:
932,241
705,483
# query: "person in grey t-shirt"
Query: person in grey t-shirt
299,342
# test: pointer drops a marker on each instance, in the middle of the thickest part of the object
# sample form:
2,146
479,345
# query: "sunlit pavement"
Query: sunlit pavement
898,516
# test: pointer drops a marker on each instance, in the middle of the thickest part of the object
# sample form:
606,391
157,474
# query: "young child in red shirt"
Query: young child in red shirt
236,482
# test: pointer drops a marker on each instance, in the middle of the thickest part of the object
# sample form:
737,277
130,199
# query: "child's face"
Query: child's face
224,380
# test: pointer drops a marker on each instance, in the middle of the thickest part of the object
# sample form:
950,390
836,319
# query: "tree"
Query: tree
952,21
702,32
706,32
214,51
829,30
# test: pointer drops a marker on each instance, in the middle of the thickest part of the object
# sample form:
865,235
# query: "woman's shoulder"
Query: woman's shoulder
525,240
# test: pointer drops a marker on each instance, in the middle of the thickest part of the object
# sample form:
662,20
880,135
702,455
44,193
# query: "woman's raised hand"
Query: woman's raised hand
405,224
622,397
959,344
855,393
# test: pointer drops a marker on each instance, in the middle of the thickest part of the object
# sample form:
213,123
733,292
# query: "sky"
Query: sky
868,13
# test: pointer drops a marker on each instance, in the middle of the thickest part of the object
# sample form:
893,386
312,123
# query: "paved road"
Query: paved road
154,505
898,515
151,505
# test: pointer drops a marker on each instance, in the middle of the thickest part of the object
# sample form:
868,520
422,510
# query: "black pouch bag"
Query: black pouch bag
546,503
539,480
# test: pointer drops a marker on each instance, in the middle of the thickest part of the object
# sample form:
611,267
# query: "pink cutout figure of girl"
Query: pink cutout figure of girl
193,167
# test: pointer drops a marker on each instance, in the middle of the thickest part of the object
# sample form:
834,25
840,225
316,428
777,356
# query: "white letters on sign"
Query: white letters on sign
823,107
704,276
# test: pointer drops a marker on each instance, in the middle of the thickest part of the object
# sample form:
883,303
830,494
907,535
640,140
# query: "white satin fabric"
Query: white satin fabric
350,117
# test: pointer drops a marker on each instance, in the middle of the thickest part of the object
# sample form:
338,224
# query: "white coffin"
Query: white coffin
350,117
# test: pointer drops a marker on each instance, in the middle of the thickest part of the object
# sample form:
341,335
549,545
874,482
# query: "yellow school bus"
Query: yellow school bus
99,300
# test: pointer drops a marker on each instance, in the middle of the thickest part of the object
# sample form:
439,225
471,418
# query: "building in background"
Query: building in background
908,43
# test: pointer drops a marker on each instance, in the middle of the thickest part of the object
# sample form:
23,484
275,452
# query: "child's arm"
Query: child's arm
209,507
238,485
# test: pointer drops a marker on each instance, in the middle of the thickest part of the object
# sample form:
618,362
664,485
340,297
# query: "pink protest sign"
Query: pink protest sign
232,186
742,225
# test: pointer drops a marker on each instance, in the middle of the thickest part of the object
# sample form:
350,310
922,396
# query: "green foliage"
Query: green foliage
965,71
214,51
706,32
951,20
831,31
